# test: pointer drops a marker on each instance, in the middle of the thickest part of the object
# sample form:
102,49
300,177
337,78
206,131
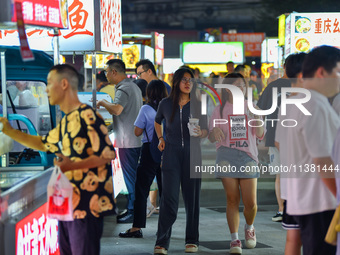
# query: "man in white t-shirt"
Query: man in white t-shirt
306,149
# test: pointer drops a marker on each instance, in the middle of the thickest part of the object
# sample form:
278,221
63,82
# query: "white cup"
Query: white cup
193,122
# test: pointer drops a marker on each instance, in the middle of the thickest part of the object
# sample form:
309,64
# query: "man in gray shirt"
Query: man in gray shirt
124,109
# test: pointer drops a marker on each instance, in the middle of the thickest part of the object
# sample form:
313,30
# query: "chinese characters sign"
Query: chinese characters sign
308,30
252,42
52,13
26,53
111,28
78,37
36,234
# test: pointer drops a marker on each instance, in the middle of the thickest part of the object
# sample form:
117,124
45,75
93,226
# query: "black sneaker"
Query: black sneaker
128,233
128,218
277,217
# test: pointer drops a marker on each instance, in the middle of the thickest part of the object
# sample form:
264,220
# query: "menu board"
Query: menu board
309,30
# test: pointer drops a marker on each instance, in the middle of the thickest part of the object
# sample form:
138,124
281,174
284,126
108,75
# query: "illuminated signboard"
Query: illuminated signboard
282,24
218,52
271,52
159,48
252,42
101,60
52,13
36,234
309,30
111,27
80,34
131,55
288,40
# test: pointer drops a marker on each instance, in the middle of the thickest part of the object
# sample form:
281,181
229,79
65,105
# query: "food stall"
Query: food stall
94,28
24,227
143,46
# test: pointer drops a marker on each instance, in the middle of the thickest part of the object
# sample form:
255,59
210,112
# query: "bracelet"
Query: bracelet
160,137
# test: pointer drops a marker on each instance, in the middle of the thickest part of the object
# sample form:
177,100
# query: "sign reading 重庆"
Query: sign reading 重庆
309,30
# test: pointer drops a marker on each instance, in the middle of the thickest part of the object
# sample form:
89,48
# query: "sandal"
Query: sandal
160,250
191,248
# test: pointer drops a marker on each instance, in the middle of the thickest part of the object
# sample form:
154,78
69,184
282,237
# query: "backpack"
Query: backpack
156,154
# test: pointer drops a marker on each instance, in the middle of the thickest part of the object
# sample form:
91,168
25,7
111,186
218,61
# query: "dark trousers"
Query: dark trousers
129,159
80,236
313,229
176,173
146,172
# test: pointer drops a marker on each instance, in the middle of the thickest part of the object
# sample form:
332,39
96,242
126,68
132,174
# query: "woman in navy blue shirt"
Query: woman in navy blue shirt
179,160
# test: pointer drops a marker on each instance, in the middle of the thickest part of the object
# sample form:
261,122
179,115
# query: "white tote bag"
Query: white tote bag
119,185
59,197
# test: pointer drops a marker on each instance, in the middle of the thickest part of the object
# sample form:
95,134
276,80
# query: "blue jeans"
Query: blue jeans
129,159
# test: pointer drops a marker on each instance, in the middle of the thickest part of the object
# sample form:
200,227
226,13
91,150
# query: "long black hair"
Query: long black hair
230,79
155,92
175,90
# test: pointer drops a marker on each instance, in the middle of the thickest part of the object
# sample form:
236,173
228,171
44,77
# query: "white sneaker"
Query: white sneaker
250,237
235,247
150,210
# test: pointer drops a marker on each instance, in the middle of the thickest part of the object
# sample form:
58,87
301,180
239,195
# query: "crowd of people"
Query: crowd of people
171,118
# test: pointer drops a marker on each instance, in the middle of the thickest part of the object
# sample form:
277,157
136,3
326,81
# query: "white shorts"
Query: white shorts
274,158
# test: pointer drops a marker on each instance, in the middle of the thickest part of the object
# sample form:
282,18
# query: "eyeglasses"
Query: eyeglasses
185,80
139,74
106,72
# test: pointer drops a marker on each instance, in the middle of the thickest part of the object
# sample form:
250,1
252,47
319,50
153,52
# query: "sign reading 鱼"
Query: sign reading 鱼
81,30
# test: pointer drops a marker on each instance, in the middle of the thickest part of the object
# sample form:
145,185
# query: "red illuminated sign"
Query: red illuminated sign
26,53
52,13
36,234
252,42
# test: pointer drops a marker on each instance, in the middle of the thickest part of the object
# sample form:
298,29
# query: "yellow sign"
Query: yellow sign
282,31
131,55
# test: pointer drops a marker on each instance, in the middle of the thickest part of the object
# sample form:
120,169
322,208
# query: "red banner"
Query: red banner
26,53
52,13
36,234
